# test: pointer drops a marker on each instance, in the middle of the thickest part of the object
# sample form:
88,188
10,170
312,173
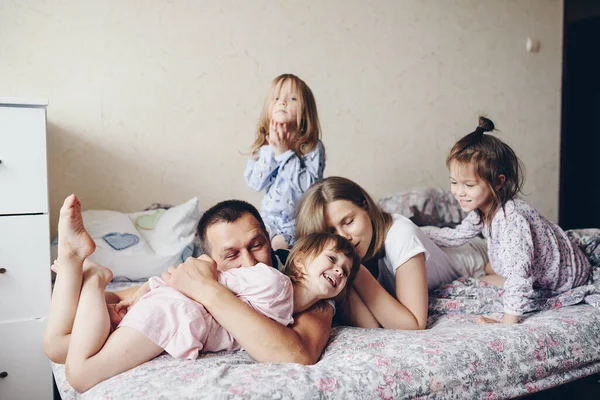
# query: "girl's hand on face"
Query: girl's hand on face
281,137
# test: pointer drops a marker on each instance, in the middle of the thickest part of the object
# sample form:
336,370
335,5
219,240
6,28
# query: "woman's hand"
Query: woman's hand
280,137
193,277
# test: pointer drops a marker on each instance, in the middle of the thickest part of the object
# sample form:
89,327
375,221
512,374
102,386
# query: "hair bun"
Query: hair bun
485,125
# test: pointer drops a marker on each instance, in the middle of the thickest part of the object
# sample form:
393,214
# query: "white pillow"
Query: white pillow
140,245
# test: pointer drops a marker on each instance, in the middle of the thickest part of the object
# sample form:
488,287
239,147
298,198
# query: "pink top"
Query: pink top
184,328
534,256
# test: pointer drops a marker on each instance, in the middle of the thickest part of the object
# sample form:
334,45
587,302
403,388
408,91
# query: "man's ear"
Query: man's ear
501,180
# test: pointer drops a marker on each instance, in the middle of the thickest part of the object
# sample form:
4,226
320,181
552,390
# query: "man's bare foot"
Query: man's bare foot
73,239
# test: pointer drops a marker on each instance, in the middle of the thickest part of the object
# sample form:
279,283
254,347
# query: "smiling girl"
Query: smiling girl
529,255
287,156
163,319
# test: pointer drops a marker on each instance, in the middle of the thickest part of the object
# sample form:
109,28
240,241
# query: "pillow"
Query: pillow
425,206
589,242
143,244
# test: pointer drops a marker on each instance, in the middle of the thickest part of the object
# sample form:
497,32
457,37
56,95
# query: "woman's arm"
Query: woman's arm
264,339
357,313
409,309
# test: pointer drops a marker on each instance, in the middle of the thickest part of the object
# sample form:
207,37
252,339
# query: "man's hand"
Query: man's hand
193,277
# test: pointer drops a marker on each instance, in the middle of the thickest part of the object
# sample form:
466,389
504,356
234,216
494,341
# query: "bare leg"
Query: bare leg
488,269
279,242
92,358
74,245
492,277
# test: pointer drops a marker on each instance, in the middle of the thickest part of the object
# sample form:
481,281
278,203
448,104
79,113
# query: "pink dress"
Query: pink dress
184,328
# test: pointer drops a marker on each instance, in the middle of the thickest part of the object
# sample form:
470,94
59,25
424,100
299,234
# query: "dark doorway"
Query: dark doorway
580,140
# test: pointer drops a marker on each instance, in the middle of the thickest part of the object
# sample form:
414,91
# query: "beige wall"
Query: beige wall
155,101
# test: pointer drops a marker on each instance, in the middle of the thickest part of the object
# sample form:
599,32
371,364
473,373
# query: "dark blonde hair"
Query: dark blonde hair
309,129
491,158
310,213
310,246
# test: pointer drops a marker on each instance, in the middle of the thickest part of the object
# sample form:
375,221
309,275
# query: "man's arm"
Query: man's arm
264,339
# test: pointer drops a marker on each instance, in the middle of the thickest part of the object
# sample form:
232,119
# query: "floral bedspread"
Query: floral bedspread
453,359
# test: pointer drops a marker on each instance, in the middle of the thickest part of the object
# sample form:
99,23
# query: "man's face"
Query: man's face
238,244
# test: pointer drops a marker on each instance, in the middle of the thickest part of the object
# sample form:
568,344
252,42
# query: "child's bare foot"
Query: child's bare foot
90,269
73,239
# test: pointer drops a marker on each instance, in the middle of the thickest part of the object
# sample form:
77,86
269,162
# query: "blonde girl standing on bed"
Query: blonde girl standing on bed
529,255
287,155
318,268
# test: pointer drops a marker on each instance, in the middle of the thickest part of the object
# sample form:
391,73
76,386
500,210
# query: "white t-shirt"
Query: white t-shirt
405,240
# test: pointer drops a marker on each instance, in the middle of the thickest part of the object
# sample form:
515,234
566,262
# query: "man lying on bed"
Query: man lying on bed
234,235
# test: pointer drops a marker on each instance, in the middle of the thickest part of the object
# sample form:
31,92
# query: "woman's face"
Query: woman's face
352,222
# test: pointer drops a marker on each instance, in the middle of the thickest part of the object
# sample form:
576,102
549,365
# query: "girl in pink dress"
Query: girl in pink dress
160,318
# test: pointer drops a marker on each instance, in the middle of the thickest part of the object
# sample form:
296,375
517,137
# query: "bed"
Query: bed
454,358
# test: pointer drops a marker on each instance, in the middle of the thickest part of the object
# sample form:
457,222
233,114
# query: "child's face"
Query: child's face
352,222
468,188
284,105
325,275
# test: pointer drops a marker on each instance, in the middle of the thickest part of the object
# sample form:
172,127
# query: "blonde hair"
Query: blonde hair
310,214
310,246
309,129
491,158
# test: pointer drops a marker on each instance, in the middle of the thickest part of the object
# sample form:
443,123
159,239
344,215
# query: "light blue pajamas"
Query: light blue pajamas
285,178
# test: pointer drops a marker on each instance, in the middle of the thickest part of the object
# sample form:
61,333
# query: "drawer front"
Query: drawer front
23,167
25,263
28,371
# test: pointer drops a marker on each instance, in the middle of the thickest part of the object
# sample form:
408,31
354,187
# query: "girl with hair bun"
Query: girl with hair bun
530,256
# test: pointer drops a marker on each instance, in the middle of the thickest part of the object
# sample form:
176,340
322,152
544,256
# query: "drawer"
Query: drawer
29,375
23,170
25,256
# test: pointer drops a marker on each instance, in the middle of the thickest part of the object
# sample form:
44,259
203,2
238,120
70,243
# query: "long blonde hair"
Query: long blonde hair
310,213
309,129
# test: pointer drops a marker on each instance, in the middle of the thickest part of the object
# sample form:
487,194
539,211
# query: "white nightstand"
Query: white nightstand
24,250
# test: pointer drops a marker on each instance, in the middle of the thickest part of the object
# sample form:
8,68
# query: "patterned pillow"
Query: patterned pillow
425,206
139,245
